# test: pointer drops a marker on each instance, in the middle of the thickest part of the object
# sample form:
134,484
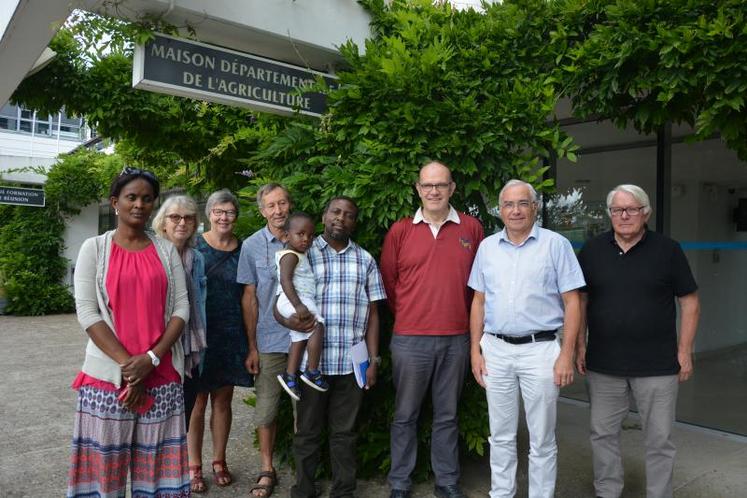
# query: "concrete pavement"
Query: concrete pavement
39,356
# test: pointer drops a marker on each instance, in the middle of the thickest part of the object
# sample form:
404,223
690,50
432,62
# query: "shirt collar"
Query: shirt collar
533,234
322,243
268,234
453,216
613,241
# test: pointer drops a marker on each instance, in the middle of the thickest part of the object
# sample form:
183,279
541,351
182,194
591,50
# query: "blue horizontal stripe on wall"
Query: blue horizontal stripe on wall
705,245
697,246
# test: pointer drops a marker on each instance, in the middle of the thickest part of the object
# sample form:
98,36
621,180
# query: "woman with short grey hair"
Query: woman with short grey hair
187,207
223,365
176,221
222,196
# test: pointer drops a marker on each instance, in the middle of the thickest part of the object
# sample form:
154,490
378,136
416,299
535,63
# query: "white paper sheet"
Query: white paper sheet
359,354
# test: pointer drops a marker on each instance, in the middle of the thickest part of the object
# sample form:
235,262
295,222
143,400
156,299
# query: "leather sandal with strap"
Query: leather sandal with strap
196,480
267,488
222,477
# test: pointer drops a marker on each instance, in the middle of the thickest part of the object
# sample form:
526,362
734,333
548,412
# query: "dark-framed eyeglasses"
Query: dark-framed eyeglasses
632,211
189,219
427,187
229,213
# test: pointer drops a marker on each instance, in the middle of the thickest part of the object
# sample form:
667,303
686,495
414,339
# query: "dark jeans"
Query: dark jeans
338,408
419,362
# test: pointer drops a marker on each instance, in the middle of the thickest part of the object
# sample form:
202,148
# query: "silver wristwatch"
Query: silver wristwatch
153,358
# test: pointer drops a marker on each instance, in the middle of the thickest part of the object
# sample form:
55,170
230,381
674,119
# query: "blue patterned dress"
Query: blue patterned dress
227,346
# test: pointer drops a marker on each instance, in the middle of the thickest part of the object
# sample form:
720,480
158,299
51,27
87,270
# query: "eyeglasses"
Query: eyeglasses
177,218
230,214
510,205
632,211
441,187
127,170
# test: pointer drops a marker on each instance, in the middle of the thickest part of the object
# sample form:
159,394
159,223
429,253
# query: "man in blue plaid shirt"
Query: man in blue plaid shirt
348,284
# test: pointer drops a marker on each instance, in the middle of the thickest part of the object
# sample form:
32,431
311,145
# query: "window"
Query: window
9,117
44,125
27,120
14,118
70,127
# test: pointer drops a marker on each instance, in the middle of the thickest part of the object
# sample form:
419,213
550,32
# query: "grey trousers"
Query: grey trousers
656,398
419,362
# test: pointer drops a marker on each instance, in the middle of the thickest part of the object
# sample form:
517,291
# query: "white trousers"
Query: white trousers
525,368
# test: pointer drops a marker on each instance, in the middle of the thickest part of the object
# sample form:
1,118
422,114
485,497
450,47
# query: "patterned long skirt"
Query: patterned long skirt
110,442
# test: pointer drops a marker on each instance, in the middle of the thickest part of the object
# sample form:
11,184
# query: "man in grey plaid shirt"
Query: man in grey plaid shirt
348,284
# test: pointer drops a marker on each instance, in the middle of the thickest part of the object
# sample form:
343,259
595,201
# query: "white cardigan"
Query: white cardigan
92,300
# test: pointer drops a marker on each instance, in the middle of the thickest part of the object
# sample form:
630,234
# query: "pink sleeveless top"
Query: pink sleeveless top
136,283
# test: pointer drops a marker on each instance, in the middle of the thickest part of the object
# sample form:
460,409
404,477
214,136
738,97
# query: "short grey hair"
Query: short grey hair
637,192
221,197
266,189
177,201
513,183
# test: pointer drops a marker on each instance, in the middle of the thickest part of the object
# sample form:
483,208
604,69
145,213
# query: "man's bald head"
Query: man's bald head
435,187
434,168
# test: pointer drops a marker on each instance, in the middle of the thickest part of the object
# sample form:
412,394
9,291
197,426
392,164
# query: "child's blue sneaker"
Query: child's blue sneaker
314,379
290,384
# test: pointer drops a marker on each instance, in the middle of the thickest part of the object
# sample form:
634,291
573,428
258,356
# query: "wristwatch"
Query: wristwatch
376,359
153,358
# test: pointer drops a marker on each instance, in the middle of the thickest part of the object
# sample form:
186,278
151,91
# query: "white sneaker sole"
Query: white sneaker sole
311,383
288,389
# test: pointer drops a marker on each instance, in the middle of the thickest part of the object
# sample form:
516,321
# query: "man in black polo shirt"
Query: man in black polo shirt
633,278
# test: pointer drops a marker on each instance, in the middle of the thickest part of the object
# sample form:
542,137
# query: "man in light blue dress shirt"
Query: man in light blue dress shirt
526,282
268,340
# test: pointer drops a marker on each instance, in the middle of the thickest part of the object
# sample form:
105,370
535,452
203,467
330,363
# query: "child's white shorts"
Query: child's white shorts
286,309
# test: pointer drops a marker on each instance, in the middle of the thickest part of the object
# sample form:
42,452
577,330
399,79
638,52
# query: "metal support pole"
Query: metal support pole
552,172
664,179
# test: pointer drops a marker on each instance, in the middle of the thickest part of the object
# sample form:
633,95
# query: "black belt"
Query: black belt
543,335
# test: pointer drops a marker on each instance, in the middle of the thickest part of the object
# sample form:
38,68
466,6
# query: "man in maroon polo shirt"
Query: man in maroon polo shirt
425,263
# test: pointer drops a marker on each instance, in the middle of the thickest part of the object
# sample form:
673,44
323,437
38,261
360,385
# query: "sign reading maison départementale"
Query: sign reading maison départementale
192,69
22,196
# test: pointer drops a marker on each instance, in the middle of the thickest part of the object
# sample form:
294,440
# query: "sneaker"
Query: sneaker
290,384
314,379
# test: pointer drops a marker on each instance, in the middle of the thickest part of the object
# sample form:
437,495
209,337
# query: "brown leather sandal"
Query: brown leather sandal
196,480
267,488
222,477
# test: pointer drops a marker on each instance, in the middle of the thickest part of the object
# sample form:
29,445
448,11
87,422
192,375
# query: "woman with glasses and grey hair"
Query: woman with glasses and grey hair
223,366
176,221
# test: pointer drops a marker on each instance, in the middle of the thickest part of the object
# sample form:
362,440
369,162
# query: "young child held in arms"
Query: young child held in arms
296,294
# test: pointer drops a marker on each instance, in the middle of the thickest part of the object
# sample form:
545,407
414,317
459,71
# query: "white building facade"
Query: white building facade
31,143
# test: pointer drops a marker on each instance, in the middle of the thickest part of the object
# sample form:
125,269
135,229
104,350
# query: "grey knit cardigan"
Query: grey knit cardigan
92,300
